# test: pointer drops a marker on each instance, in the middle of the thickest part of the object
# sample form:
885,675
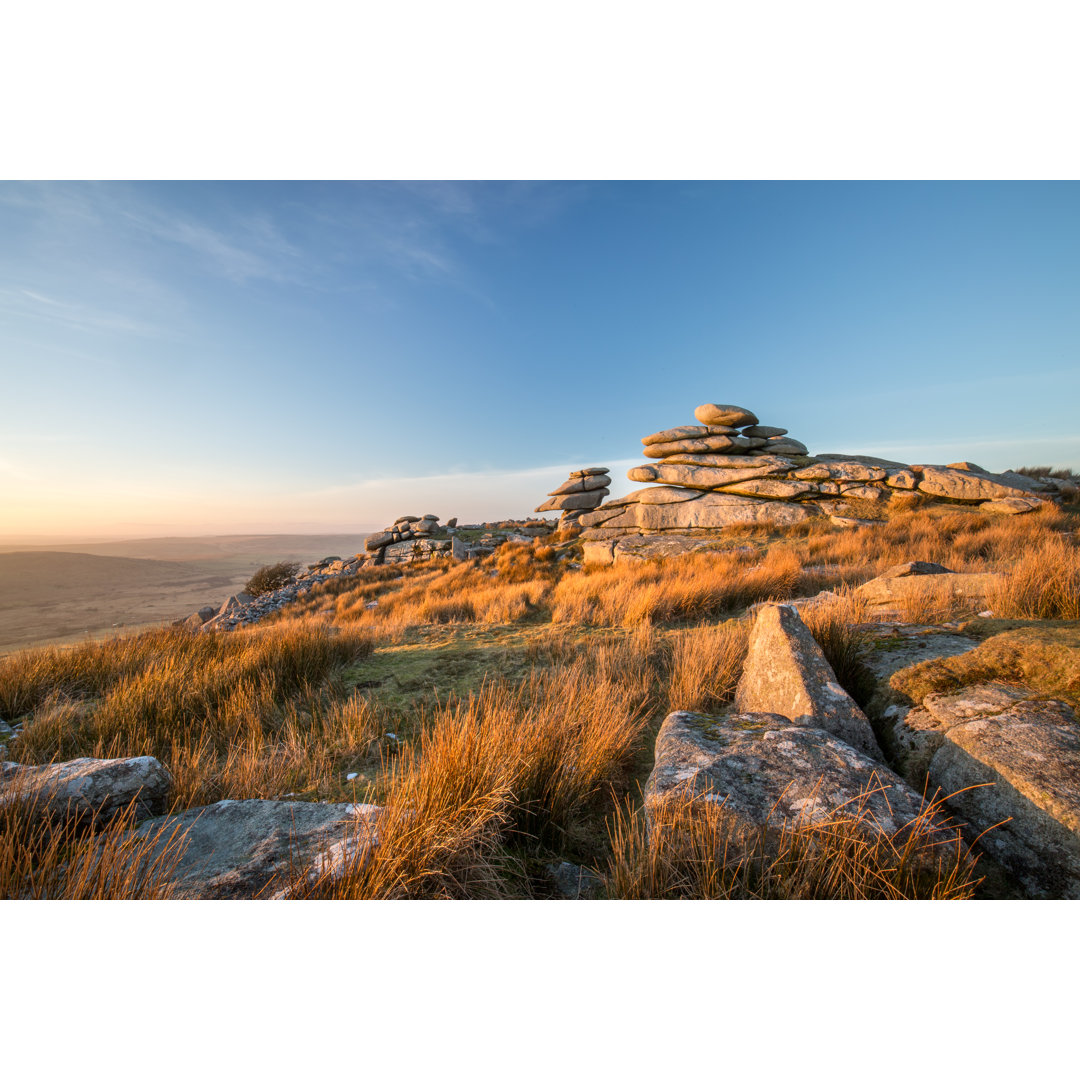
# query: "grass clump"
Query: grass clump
231,715
49,856
693,850
1044,583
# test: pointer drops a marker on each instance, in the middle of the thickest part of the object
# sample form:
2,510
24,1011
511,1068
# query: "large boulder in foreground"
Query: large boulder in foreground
236,850
91,791
787,673
768,771
1011,769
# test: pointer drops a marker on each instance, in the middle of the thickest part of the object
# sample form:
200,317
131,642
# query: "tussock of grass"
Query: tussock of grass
509,765
836,627
234,715
691,588
694,851
44,856
706,663
1044,583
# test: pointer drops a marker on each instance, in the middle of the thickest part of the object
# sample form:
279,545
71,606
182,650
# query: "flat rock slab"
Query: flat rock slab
760,464
786,673
772,489
939,589
587,500
701,477
711,510
235,850
841,470
93,790
709,444
767,770
897,647
1021,504
689,431
1029,756
967,486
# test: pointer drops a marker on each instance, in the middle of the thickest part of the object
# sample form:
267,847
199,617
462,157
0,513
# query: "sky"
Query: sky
183,358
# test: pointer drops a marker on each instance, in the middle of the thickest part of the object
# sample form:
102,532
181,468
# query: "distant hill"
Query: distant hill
65,593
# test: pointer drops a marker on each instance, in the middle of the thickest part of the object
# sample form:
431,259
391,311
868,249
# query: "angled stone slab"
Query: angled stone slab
919,733
787,673
761,431
587,500
577,485
966,486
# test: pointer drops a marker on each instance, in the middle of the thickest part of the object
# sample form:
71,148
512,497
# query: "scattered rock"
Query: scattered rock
91,790
936,588
243,849
1021,504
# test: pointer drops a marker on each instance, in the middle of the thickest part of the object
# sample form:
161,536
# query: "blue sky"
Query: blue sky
304,357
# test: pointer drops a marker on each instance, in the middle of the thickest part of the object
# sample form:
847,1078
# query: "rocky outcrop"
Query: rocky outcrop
787,673
1010,767
585,490
731,470
90,791
251,848
410,538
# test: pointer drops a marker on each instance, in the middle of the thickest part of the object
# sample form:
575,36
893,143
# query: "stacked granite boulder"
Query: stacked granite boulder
584,491
408,539
729,469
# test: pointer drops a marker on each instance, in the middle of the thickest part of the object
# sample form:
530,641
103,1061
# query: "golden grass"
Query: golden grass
487,782
1044,583
512,764
693,850
691,588
234,715
963,541
706,663
46,856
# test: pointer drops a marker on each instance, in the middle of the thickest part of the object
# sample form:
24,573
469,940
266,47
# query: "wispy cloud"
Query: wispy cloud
28,304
